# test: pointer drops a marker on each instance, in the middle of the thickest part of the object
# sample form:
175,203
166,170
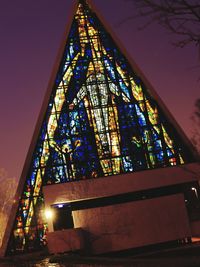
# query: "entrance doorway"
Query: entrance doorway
63,218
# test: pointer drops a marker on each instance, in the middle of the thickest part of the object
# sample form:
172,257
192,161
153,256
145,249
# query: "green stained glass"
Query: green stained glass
101,120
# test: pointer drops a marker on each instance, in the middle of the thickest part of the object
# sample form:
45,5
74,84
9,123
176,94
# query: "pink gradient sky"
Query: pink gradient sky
30,34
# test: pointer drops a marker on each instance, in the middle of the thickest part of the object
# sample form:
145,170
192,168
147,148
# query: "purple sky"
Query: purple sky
31,32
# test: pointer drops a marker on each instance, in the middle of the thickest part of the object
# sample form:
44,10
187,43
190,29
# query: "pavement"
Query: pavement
184,256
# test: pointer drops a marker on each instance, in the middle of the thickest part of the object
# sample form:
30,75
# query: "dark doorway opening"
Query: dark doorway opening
63,218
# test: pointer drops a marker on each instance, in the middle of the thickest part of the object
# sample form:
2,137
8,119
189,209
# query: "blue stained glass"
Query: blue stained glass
28,182
128,165
43,132
59,172
77,74
137,81
160,155
88,53
73,30
91,20
155,135
158,144
169,153
110,69
76,46
94,124
71,51
36,163
125,90
56,158
25,214
33,176
141,118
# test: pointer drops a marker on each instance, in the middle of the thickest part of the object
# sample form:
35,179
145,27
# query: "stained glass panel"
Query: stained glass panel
101,120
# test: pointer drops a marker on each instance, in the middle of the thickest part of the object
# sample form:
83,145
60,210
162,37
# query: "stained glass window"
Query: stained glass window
101,120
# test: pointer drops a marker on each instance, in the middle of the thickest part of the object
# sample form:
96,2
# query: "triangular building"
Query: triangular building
101,121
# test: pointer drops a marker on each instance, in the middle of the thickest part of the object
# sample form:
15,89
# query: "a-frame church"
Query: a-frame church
107,162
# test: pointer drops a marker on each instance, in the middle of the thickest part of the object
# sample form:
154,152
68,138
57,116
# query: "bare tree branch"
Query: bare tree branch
180,17
7,191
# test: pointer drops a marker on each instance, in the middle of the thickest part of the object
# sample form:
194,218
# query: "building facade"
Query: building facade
106,156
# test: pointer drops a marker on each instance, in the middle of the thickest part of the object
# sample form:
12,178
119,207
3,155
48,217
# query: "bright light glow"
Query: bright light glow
60,205
48,214
195,191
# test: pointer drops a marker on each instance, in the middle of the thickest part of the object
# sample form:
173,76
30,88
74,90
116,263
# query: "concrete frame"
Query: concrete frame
138,223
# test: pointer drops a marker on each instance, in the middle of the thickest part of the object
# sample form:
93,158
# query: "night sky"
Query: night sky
30,35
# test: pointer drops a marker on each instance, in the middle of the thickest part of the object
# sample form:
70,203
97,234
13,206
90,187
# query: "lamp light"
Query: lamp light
48,214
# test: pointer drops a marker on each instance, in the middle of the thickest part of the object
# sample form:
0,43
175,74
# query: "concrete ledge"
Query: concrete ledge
65,241
118,184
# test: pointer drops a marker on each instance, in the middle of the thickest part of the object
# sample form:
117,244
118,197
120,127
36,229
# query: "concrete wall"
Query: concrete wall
195,228
119,184
134,224
65,241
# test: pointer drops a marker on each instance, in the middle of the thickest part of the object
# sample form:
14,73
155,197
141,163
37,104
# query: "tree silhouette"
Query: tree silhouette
7,191
180,17
196,120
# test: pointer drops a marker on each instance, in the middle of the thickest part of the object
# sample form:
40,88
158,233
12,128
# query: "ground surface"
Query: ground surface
187,256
